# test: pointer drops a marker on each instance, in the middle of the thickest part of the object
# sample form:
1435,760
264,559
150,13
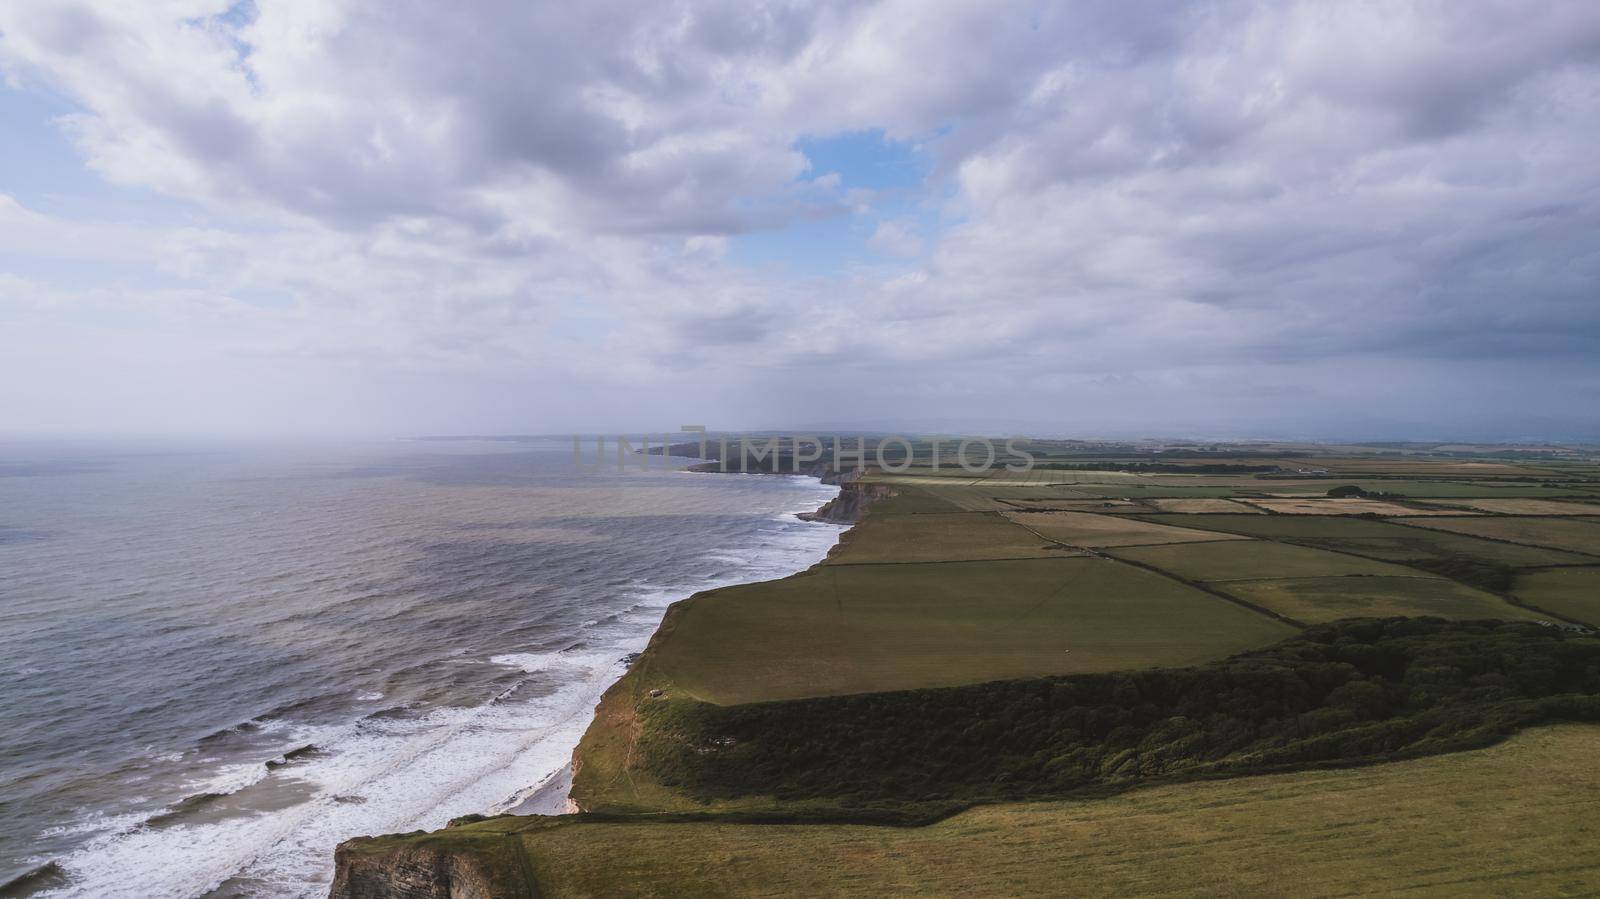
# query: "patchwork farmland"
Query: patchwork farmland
961,604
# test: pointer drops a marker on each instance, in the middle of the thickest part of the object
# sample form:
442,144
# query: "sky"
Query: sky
1219,219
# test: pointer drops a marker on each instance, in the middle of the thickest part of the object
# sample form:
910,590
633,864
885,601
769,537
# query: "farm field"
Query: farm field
1572,535
1103,506
1573,592
1221,563
912,500
1416,489
1402,827
1393,541
1043,477
938,537
861,628
1344,506
994,498
1447,468
1135,506
1086,529
1154,490
1198,506
1315,600
1528,506
1055,476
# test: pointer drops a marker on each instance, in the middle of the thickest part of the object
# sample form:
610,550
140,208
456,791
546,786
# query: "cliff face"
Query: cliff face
432,866
846,508
852,501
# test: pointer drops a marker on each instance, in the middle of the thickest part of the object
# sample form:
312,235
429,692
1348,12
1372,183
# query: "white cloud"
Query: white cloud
1129,204
896,237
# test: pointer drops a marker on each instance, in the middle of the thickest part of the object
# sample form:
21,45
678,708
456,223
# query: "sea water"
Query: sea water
218,662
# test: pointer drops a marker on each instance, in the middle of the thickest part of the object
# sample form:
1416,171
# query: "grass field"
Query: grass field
1573,592
1385,540
1343,506
1197,506
984,498
1253,560
862,628
1392,465
1418,489
1519,818
1085,529
1157,490
1529,506
938,537
1102,506
1580,536
1402,486
1320,599
908,499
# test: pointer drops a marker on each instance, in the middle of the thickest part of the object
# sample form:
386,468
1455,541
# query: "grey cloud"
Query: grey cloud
412,108
1139,210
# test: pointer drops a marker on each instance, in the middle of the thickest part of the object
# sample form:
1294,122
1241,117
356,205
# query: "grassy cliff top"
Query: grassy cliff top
1516,818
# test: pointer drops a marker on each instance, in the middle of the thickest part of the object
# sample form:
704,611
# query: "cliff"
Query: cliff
459,862
852,501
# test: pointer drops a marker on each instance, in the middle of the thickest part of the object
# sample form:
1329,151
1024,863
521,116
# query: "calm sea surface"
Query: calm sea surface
217,663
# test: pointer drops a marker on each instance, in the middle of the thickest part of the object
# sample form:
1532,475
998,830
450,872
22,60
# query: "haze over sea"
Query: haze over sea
217,663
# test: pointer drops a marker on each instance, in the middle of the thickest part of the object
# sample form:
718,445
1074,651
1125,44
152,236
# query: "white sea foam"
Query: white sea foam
230,779
528,662
97,822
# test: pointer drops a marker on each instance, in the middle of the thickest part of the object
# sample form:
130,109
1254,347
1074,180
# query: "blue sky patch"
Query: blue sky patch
886,176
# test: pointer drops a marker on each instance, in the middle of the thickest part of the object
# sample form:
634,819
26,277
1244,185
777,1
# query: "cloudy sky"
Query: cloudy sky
1101,218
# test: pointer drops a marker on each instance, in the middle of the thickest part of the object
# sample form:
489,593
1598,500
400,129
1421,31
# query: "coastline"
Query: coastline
262,801
553,796
363,863
549,797
615,712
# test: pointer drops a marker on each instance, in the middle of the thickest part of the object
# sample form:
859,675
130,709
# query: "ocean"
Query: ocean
218,662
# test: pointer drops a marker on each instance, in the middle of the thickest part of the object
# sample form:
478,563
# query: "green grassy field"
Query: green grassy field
1572,535
1253,560
1098,506
938,537
1196,506
861,628
1573,592
1154,491
1087,529
1324,505
994,497
1385,540
1519,818
908,499
1529,506
1415,489
1321,599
